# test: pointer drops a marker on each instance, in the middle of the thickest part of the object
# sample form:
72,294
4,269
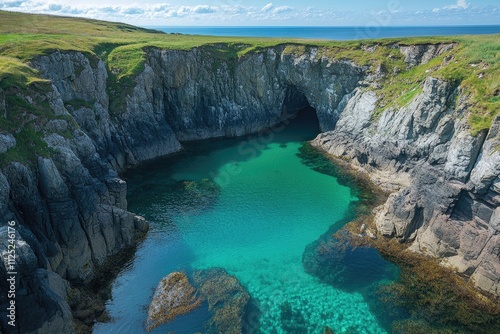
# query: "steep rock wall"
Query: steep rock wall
444,181
205,97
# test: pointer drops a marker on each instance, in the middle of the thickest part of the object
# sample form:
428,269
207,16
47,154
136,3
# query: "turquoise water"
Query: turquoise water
268,208
335,33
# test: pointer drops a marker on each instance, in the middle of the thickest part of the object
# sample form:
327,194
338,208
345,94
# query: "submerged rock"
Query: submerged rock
174,296
226,298
196,194
338,262
328,330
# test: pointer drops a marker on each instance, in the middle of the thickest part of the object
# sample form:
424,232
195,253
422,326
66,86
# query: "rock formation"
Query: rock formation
443,179
227,300
174,296
70,206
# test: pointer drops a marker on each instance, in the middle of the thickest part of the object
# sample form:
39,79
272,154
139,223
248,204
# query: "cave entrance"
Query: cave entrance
298,114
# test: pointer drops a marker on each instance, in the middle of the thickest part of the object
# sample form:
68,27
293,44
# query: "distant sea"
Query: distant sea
333,33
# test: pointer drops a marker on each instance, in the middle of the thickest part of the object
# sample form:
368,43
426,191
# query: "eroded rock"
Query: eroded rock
174,296
444,180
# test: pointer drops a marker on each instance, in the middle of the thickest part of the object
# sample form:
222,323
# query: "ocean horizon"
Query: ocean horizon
331,33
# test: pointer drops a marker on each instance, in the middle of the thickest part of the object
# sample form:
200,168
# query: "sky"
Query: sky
276,13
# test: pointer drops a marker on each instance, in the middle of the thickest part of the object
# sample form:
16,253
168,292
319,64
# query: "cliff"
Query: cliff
86,126
443,180
70,206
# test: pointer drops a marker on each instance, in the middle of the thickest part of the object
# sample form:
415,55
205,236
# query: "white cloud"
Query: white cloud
236,13
110,10
11,4
203,9
133,11
282,9
461,4
267,7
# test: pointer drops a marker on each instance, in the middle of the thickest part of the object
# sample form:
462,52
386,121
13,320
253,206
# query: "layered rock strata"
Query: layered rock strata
444,181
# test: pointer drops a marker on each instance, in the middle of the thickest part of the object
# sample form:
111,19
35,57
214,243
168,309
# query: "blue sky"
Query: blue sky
267,13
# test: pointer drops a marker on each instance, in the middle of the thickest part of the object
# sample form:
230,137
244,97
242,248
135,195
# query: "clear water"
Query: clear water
270,207
334,33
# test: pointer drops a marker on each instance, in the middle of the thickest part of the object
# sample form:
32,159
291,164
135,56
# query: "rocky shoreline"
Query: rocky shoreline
423,282
71,209
447,201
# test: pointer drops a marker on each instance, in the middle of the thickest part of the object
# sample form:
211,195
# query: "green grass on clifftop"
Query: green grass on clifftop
473,65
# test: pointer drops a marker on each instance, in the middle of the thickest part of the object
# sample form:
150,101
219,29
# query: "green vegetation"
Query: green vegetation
26,113
14,72
28,141
473,65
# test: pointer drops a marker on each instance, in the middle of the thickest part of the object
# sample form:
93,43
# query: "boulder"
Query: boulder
174,296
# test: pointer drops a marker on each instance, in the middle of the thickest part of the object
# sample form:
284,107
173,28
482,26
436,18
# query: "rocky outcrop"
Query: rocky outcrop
70,205
174,296
40,293
205,97
6,142
137,133
441,177
423,53
227,300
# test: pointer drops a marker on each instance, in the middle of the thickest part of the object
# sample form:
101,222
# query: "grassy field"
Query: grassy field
474,65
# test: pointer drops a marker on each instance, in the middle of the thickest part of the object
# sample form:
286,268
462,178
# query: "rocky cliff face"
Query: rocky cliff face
444,181
71,208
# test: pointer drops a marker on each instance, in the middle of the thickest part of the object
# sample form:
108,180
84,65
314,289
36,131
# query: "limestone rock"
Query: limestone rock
443,180
40,294
487,168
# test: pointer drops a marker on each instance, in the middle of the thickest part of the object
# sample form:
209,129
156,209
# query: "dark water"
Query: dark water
253,207
333,33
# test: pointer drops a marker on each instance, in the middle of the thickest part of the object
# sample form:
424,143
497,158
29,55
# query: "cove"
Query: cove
252,207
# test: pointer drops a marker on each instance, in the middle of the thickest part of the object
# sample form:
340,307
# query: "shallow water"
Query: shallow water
269,206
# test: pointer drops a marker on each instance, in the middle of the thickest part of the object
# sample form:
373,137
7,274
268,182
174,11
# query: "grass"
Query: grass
79,103
473,65
28,140
14,72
